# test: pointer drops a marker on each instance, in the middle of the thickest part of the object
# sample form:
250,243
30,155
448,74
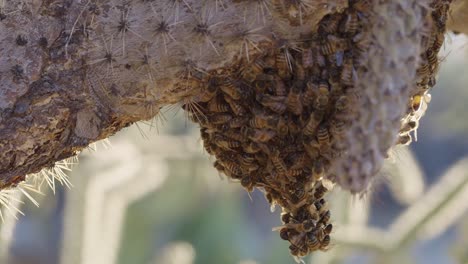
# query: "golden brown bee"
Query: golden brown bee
251,148
432,57
416,102
237,108
282,65
337,127
232,134
217,105
342,103
275,103
312,124
321,102
293,101
363,6
280,87
325,243
347,72
320,190
232,167
309,93
300,72
237,122
259,120
219,119
318,169
284,234
258,135
323,136
351,23
312,242
208,93
405,139
230,88
438,41
362,41
330,23
219,166
247,183
424,69
332,45
312,148
307,58
325,217
328,229
278,163
250,72
225,143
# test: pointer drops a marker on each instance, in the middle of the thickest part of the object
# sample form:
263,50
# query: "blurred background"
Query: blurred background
153,197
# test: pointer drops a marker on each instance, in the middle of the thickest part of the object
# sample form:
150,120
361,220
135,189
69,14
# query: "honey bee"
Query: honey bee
351,23
275,103
416,102
282,65
312,148
309,93
219,166
232,134
325,243
408,127
337,127
347,72
230,88
251,72
232,167
318,169
323,136
328,229
320,190
284,234
251,148
259,120
247,183
342,103
225,143
217,105
293,101
312,242
300,72
363,6
362,41
307,58
280,87
208,93
278,163
258,135
424,69
330,24
312,124
438,41
285,217
432,57
237,108
325,217
405,139
219,119
236,122
322,99
332,45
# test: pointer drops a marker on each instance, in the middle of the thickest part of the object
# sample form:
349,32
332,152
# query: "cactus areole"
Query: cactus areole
292,97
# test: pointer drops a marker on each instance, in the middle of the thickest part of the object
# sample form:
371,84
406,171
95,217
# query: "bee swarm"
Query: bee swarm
279,121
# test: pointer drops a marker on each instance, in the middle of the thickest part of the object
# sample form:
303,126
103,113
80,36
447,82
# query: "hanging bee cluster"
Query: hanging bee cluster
432,41
277,122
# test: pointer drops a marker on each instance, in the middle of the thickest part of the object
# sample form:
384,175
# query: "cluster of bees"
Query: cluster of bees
277,122
432,41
